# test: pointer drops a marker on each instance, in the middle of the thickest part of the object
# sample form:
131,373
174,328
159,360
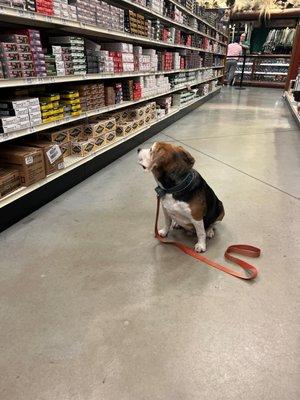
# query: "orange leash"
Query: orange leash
244,249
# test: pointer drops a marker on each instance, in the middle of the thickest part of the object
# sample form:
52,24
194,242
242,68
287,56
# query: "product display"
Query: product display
264,70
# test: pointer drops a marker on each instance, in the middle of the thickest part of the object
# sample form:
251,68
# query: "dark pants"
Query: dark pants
231,66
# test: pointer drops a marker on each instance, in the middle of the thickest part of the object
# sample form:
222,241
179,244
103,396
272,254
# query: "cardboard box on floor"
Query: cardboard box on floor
29,161
53,156
9,180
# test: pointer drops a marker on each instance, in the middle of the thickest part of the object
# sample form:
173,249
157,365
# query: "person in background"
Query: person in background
233,53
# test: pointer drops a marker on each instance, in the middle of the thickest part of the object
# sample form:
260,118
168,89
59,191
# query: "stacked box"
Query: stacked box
16,57
62,9
181,98
69,55
128,90
119,93
137,90
9,180
19,114
44,7
110,95
51,108
164,103
59,136
30,5
157,6
153,85
142,62
106,63
176,61
53,158
50,62
109,17
93,56
70,101
91,96
82,148
153,58
28,161
136,23
85,10
34,39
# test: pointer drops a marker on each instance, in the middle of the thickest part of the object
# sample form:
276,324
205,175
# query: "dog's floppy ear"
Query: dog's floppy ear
187,157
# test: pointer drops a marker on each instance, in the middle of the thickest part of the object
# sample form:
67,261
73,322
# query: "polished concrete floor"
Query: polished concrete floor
93,308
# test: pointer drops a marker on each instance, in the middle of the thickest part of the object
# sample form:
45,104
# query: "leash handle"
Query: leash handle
243,249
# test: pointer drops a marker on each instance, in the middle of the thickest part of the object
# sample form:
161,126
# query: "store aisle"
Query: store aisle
93,308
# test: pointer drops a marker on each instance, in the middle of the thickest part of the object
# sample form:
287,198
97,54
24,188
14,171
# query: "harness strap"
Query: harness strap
243,249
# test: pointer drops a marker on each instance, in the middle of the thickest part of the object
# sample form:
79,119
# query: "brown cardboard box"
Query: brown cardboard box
9,180
136,113
147,119
53,157
124,129
75,132
57,136
28,160
83,148
135,125
110,137
100,141
65,149
141,122
104,126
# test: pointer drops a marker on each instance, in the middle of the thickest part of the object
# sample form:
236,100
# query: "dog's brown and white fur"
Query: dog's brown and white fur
195,208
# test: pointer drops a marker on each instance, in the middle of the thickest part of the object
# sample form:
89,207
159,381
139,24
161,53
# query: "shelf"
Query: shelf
167,19
24,132
17,82
293,106
181,7
269,73
73,162
15,16
273,65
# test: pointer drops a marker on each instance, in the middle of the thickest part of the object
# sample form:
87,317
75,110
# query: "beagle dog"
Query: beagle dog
187,200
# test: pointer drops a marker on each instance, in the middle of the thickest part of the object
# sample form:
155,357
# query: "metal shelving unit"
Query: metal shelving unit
72,162
91,113
4,83
152,13
78,168
15,16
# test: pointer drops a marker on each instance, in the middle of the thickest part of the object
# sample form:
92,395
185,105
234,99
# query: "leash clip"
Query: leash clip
160,192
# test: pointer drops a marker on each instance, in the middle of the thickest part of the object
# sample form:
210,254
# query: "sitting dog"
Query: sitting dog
186,198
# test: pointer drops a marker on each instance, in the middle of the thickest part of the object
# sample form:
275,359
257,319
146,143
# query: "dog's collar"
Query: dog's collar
183,185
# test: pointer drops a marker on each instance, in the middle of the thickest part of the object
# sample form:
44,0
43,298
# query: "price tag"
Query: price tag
31,15
21,12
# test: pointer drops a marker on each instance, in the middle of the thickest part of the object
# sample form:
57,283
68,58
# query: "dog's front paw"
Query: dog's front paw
210,233
163,232
200,247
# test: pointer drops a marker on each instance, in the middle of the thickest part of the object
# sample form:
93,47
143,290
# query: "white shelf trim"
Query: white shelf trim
73,162
269,73
24,132
21,16
273,65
